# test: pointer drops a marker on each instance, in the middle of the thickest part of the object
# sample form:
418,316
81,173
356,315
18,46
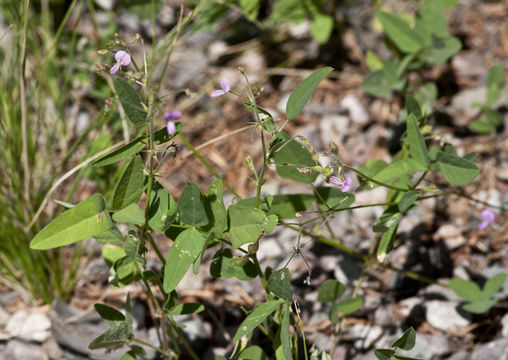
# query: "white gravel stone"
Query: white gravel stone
33,327
443,315
355,108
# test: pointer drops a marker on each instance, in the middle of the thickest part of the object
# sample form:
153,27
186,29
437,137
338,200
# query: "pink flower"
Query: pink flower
224,84
488,218
169,116
122,59
344,184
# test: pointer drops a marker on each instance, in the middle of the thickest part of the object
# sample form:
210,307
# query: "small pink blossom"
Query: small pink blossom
344,184
169,116
122,59
225,88
488,218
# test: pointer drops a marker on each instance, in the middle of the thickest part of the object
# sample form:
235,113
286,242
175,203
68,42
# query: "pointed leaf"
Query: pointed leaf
187,308
131,102
406,341
223,265
187,246
216,210
246,224
417,147
407,200
384,354
131,214
493,285
286,206
88,218
162,208
117,335
479,307
256,317
109,314
331,290
290,156
405,38
191,206
280,284
304,91
122,153
252,353
285,337
129,188
456,170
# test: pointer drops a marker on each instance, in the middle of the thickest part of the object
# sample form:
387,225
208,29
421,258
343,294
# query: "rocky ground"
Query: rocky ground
439,240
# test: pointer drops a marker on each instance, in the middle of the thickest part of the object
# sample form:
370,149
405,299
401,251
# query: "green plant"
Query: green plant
425,43
405,342
490,118
199,222
478,301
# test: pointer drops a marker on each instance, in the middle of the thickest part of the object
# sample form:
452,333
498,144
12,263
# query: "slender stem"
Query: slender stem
184,342
261,276
207,165
24,135
373,180
162,352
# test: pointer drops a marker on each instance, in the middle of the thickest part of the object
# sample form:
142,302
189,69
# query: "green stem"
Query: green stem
374,180
207,165
162,352
261,276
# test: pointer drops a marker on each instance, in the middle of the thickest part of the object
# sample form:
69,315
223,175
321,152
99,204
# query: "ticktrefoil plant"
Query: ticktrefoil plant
200,223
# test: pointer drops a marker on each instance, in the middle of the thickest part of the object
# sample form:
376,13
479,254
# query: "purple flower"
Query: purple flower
122,59
171,127
224,84
169,116
344,184
488,218
172,115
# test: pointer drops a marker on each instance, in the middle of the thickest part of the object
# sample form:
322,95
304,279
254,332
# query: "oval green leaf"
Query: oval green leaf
331,290
186,248
88,218
301,95
129,188
256,317
457,170
131,102
191,206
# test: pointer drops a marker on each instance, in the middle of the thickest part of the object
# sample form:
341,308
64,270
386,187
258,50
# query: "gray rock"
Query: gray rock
355,109
409,306
426,347
429,346
443,315
348,270
96,271
33,326
504,324
450,235
333,127
384,315
464,100
437,292
364,336
21,350
461,355
51,349
4,316
497,349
